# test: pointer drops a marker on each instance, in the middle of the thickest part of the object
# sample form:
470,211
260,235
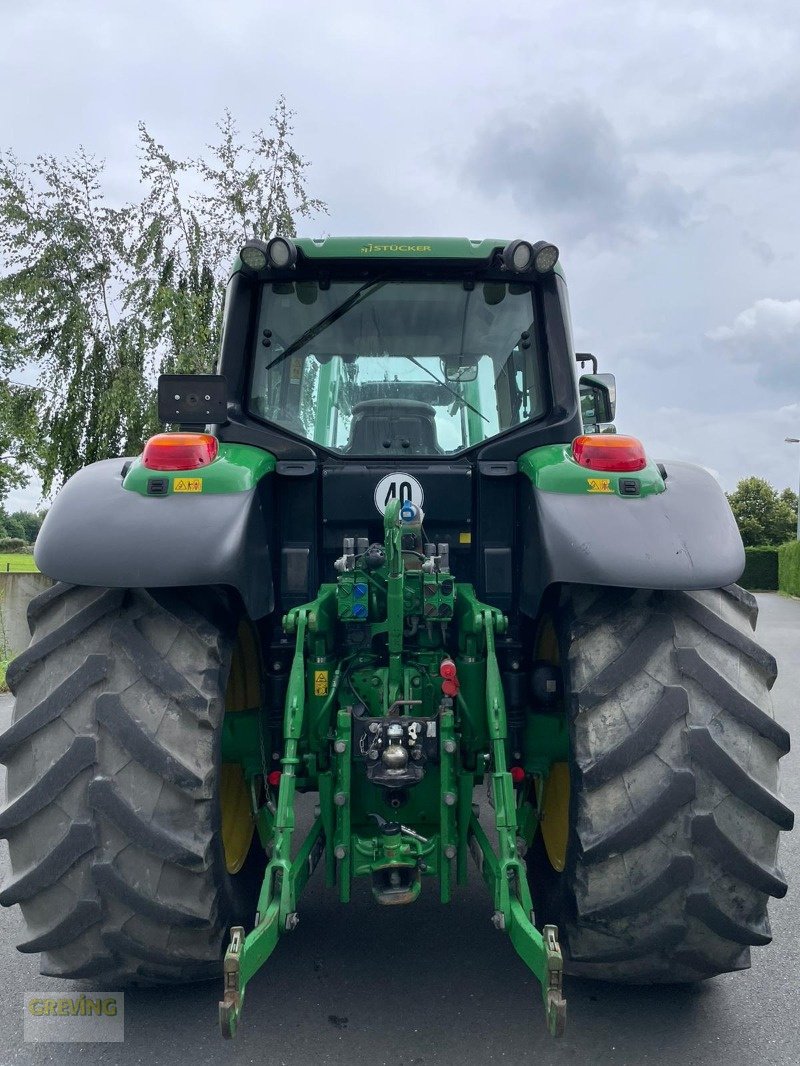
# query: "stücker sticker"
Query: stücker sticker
320,682
599,484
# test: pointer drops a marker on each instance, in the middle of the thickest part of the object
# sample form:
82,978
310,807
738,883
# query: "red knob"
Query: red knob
274,778
450,687
517,775
447,670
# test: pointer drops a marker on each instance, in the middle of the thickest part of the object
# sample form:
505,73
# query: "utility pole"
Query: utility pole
796,440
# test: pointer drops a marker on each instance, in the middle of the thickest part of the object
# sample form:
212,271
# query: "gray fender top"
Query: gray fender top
98,533
683,538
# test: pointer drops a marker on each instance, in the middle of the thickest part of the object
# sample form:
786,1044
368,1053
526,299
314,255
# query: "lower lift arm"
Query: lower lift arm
504,872
285,878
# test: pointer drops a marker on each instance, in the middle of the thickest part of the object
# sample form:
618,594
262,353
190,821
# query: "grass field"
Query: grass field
12,563
17,564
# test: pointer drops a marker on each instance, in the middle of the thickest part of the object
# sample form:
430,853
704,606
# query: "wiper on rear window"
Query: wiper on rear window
361,293
452,392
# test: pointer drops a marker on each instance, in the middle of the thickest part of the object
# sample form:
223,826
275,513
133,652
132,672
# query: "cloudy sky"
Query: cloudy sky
658,144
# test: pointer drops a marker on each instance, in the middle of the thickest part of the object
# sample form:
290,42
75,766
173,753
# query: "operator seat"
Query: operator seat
393,426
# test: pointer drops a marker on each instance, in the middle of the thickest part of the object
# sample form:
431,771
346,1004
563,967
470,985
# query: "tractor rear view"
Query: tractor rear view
394,554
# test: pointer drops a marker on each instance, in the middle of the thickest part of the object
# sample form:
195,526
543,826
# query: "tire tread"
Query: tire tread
82,877
673,846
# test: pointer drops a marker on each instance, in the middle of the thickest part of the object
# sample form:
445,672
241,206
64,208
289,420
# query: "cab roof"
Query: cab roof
398,248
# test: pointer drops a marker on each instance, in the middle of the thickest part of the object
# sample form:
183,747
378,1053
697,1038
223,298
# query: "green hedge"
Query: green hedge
12,544
760,570
789,567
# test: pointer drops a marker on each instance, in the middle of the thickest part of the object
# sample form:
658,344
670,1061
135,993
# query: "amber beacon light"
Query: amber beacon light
179,451
609,451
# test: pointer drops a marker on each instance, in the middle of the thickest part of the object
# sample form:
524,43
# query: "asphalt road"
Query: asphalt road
434,986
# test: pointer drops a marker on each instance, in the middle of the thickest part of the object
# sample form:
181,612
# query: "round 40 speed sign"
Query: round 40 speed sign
398,486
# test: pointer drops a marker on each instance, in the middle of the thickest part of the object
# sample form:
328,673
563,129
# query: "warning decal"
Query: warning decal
187,484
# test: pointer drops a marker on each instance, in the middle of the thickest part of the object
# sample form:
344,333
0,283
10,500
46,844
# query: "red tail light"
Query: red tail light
179,451
609,451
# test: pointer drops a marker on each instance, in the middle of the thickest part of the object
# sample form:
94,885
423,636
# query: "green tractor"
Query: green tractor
392,554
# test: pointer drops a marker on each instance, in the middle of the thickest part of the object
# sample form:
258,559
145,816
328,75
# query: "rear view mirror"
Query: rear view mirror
610,382
464,368
598,399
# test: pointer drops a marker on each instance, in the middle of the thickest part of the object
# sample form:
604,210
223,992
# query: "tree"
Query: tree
22,524
790,498
17,436
25,524
763,516
17,420
102,298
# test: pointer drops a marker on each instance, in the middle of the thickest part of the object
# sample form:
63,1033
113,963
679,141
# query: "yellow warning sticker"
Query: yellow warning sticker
599,484
320,682
187,484
465,538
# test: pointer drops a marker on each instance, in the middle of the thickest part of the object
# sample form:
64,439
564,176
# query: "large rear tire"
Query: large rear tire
674,813
113,813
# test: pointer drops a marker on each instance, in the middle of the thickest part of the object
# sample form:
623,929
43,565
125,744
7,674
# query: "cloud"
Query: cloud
745,121
571,166
28,498
758,246
756,447
767,336
639,118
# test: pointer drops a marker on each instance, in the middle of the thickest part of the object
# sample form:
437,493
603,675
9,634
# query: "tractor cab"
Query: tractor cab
369,354
416,370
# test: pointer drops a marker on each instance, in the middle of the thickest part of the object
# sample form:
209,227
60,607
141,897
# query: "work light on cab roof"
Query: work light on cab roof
280,253
520,256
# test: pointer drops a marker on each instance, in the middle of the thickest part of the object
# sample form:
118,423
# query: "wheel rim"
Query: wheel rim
237,817
556,788
555,815
242,693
